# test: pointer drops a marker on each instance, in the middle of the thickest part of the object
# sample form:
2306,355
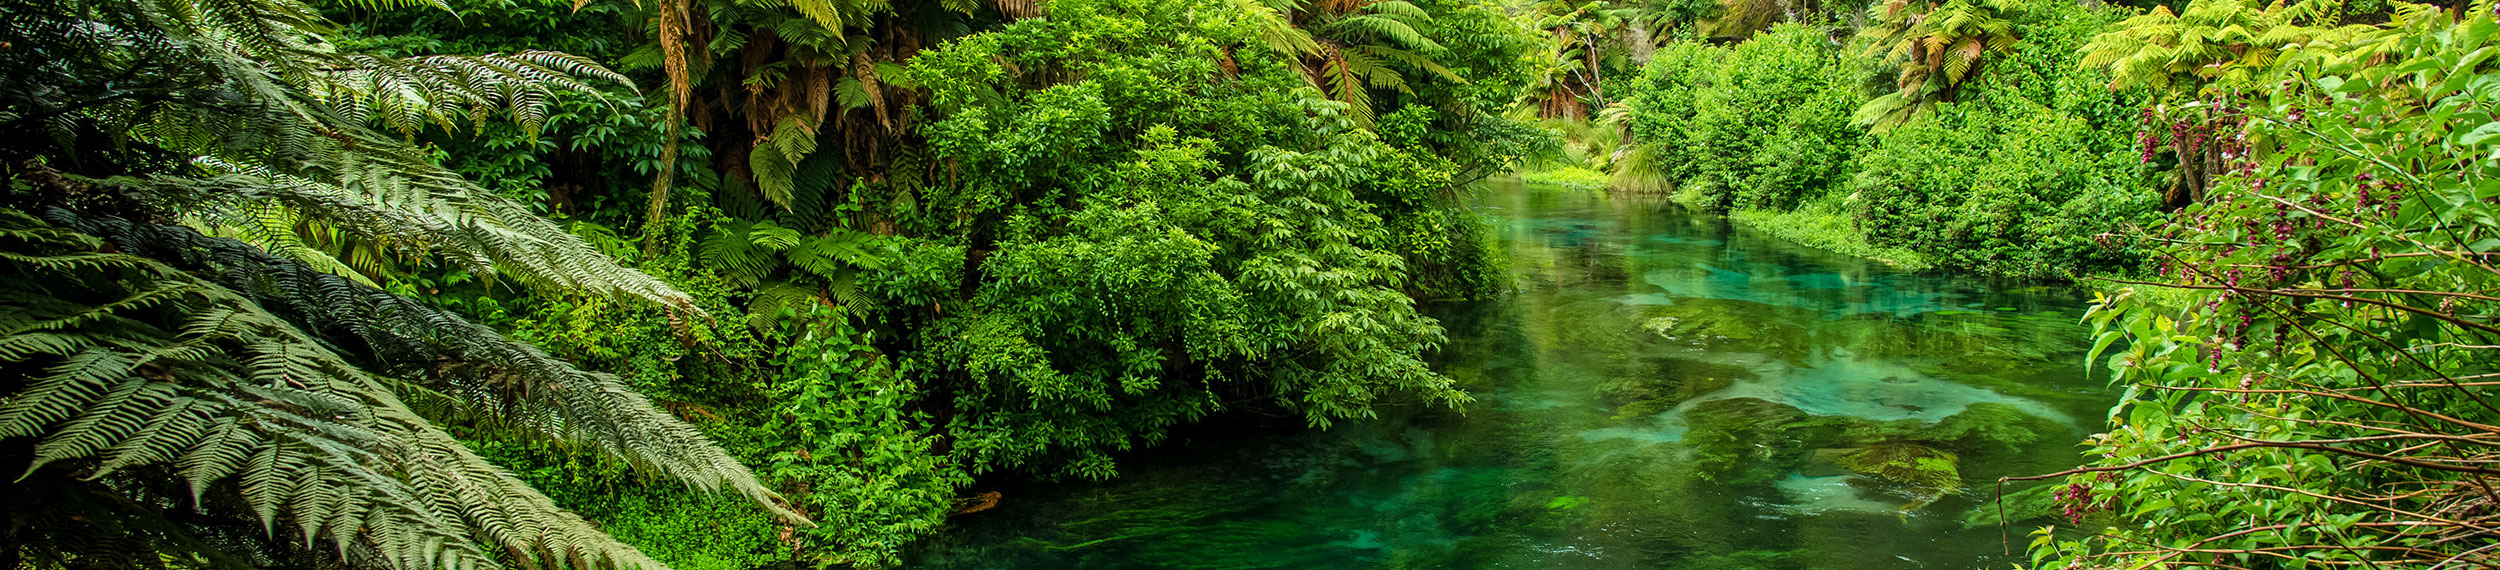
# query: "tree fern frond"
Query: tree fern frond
561,401
1412,59
302,435
1394,29
1345,85
394,196
775,301
838,252
1275,31
1397,8
744,252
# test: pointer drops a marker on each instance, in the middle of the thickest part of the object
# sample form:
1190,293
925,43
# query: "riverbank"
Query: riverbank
1824,224
1661,389
1828,226
1572,177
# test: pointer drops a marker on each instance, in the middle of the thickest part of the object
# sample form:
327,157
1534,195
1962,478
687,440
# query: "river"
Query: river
1662,390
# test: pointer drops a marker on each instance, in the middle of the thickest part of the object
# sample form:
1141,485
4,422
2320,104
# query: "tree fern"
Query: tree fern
275,118
158,366
236,401
493,377
1936,48
1346,49
2225,44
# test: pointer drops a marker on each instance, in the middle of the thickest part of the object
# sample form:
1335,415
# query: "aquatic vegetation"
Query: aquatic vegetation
1930,473
2015,506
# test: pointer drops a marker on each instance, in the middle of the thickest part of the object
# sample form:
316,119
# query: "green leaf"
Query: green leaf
2480,134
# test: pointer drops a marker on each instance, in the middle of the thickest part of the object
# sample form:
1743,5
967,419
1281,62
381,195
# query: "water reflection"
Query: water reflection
1661,392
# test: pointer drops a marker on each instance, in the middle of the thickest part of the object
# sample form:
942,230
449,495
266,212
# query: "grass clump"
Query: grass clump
1825,223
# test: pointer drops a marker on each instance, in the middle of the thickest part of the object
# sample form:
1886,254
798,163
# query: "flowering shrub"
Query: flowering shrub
2309,375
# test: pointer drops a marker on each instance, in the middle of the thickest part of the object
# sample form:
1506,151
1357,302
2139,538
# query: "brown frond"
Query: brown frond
1017,9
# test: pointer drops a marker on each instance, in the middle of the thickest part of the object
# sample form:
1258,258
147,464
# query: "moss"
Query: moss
1929,472
1572,177
1747,441
1665,382
1993,424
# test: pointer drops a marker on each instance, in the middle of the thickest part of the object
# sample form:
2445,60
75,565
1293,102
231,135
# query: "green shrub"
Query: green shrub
1772,125
2018,177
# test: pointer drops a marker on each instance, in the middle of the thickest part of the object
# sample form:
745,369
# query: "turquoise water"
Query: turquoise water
1662,391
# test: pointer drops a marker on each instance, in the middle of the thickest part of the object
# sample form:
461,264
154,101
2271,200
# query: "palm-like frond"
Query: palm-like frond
1344,82
746,252
1411,59
2226,43
492,376
1370,27
777,301
243,375
277,118
445,90
1275,31
839,252
1936,46
1347,49
387,192
145,365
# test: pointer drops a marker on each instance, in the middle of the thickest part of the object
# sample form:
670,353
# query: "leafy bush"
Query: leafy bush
2303,391
1994,192
2015,172
1773,124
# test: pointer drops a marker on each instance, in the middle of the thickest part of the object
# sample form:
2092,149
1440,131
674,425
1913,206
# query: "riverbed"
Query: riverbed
1660,390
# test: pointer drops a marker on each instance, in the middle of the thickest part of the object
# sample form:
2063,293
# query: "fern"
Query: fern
1935,46
275,120
441,352
2228,44
238,402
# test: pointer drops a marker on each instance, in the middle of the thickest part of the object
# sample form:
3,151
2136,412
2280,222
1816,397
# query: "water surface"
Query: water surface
1661,391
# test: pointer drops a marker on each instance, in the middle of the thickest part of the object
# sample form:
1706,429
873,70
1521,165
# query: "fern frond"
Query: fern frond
1412,59
315,438
839,252
438,350
390,194
775,301
1378,26
1275,30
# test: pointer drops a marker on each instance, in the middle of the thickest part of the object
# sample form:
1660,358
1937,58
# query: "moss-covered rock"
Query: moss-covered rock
1927,473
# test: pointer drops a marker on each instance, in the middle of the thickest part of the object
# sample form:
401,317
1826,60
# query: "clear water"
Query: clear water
1663,391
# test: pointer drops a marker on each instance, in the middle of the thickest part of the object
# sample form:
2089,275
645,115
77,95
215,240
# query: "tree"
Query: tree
2214,51
2212,45
1348,48
770,82
1937,47
151,364
1585,39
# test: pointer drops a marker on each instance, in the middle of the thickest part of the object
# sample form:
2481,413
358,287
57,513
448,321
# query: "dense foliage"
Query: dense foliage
2008,163
878,250
153,365
2311,389
2301,184
440,286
